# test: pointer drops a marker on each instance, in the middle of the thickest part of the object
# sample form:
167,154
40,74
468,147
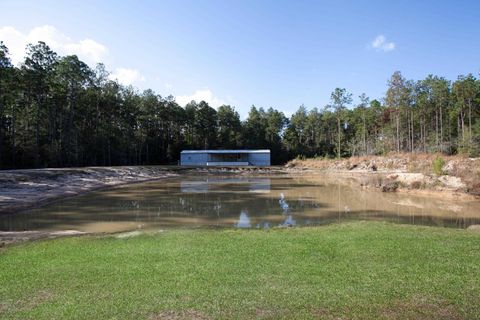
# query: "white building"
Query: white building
225,158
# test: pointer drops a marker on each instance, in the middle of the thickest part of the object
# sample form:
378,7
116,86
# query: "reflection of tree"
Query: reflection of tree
164,204
237,184
283,203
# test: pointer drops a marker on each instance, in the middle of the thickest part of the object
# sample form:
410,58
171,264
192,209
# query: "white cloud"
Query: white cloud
199,95
168,86
127,76
380,44
87,50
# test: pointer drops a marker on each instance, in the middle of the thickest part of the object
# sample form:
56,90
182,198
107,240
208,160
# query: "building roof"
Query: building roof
226,151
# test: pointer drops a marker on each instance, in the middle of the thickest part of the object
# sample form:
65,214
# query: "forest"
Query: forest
56,111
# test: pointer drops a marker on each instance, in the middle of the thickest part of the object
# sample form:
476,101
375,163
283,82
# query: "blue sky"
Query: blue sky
267,53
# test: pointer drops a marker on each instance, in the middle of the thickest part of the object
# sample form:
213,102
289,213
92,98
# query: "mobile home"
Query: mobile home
225,158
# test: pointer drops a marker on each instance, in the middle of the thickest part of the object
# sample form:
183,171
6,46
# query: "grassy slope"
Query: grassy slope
354,270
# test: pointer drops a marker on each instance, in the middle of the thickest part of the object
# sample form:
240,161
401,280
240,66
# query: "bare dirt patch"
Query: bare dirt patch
263,313
474,227
23,189
39,298
179,315
421,308
325,314
10,237
402,172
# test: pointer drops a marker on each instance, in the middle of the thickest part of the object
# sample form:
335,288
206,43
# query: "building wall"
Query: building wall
201,159
259,159
228,157
193,159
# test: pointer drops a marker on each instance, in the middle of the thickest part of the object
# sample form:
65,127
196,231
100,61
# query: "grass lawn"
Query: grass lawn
359,270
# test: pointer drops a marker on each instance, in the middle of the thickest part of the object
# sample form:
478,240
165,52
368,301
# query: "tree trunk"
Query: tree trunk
14,135
37,134
436,129
470,122
1,132
424,133
147,154
398,130
339,142
364,134
109,153
459,128
441,126
412,131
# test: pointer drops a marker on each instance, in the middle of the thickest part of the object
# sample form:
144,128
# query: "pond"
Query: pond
239,201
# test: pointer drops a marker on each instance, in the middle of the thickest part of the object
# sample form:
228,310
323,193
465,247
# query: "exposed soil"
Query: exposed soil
179,315
23,189
460,176
474,227
421,308
9,237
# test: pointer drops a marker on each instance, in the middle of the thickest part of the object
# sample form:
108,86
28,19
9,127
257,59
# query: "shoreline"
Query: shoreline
459,177
380,182
22,190
26,189
32,188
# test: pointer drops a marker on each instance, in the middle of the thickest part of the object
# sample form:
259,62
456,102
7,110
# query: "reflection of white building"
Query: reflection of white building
203,186
260,185
243,220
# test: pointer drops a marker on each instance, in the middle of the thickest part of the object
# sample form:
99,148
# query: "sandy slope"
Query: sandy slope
23,189
402,172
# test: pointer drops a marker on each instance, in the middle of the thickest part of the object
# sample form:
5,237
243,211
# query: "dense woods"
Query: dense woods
56,111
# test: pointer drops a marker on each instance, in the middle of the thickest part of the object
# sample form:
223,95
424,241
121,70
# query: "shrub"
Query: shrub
474,189
438,164
416,184
391,186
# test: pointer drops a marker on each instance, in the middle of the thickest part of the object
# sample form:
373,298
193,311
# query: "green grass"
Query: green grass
358,270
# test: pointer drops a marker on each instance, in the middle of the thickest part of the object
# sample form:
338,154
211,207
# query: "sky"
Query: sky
279,54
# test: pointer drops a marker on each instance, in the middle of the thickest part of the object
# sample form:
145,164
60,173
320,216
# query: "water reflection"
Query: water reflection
289,221
243,220
243,202
283,203
212,184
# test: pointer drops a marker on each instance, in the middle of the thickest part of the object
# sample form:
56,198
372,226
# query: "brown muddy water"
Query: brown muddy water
238,201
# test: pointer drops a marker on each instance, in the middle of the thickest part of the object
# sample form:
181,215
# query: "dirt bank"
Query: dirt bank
457,176
23,189
10,237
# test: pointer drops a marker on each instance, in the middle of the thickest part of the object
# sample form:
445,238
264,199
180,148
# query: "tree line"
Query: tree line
56,111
